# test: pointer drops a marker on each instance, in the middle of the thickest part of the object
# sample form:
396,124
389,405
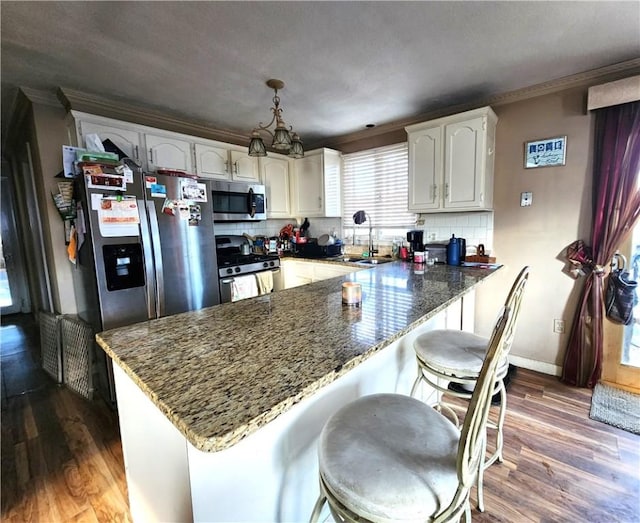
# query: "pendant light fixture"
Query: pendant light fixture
283,139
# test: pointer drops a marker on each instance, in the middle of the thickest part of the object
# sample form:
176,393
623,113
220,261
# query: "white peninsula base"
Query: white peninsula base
271,475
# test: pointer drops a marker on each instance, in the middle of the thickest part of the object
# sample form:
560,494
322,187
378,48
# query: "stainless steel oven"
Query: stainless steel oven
238,202
241,275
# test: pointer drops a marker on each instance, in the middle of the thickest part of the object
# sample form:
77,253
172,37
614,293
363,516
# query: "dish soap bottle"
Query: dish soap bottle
453,251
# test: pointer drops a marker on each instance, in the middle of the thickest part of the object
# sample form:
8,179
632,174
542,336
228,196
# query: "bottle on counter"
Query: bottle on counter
453,251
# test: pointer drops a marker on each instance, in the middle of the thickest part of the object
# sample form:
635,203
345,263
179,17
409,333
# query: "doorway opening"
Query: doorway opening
5,288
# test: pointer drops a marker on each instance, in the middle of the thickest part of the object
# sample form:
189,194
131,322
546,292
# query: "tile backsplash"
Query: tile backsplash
475,227
317,227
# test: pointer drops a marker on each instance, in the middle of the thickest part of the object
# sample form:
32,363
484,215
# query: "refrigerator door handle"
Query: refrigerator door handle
148,261
155,237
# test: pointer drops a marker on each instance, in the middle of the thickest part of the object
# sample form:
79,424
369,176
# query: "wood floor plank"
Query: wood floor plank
101,487
46,506
579,489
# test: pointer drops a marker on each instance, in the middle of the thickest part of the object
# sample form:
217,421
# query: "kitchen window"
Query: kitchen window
377,181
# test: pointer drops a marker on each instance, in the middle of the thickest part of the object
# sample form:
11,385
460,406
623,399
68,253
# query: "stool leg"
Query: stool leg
416,383
501,417
317,508
480,485
499,427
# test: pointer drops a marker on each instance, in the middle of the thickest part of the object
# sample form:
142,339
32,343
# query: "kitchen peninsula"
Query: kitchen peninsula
220,408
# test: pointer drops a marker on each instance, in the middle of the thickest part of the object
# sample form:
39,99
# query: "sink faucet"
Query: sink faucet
359,218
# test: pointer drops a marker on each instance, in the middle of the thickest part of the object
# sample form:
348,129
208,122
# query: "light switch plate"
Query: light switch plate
526,199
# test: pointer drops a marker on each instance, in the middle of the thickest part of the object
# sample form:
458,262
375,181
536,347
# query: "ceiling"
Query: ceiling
345,64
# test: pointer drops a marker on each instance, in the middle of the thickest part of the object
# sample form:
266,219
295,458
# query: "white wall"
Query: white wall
50,136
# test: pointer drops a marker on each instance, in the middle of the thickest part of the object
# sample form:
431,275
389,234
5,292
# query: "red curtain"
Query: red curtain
616,208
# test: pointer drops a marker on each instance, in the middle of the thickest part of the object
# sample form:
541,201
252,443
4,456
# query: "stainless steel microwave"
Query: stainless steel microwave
238,202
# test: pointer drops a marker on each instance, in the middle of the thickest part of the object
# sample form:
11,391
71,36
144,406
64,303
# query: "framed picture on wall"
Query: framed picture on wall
545,153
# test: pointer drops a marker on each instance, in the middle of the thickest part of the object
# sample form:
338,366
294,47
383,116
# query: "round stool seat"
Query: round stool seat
457,353
389,457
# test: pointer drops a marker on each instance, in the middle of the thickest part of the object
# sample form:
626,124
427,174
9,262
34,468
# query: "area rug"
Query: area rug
616,407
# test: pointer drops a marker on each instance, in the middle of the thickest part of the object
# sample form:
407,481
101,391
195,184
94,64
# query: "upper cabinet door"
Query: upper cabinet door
425,168
332,183
168,153
451,162
464,153
244,167
275,176
308,186
125,140
212,162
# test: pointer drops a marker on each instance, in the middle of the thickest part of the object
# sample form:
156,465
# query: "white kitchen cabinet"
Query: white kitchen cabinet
316,184
212,161
219,161
274,174
128,141
165,152
297,272
451,162
244,167
168,150
325,271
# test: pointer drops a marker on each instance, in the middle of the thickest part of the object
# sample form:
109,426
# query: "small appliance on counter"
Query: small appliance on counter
437,251
415,239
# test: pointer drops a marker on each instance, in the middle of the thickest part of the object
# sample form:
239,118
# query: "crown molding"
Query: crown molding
38,96
72,99
101,106
585,79
20,111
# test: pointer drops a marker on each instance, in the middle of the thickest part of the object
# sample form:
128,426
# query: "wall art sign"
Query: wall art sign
545,153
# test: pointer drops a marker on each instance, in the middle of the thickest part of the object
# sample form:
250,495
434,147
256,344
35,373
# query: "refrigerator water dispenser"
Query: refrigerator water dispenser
124,266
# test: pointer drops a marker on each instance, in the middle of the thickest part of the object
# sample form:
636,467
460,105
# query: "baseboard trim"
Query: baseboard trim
538,366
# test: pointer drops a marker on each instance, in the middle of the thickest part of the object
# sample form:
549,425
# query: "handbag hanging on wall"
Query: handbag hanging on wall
621,296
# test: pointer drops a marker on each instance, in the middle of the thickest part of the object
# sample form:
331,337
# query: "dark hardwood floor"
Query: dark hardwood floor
61,454
62,457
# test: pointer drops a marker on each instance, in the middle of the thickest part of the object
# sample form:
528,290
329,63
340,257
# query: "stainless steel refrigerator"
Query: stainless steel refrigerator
148,251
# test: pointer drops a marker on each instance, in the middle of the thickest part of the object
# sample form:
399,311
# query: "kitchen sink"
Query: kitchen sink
369,261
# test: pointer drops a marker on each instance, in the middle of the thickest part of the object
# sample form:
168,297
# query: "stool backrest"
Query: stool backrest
473,435
472,439
513,302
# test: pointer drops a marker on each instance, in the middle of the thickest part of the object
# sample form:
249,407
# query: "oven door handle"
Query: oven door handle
231,280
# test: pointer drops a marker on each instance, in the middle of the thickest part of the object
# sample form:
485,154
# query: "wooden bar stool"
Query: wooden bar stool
389,457
451,356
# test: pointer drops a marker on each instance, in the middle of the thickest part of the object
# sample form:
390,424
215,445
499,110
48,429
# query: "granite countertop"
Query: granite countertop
221,373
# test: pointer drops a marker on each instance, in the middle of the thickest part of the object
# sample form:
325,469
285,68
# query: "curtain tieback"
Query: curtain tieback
599,270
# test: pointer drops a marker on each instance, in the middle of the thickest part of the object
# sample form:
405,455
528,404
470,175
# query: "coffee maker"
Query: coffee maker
415,240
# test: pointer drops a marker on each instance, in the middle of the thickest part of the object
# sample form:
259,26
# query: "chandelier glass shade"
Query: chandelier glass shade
283,140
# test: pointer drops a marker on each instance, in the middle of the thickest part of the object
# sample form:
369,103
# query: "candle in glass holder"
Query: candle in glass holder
351,293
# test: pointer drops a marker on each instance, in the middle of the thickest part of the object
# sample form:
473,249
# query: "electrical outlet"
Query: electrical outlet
558,326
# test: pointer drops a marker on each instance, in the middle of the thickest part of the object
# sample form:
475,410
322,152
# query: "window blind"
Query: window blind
377,181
